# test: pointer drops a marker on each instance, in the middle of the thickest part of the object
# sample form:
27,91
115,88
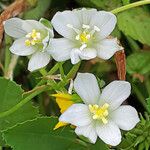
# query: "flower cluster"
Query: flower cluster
85,36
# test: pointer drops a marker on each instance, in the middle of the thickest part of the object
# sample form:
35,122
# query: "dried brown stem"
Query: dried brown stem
120,60
12,10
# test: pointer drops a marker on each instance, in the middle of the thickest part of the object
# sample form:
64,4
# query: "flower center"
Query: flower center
84,35
99,113
34,37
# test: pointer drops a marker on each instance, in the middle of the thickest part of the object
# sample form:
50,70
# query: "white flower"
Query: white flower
32,38
85,35
101,115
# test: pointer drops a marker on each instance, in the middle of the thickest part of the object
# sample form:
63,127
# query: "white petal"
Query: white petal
74,55
85,54
109,133
38,60
35,25
62,19
19,48
87,131
46,41
85,15
77,114
88,53
14,27
126,117
115,93
107,48
87,88
18,28
105,21
60,49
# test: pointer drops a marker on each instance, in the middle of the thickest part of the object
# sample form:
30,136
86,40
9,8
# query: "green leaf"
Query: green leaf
135,23
85,3
138,63
38,134
101,4
38,11
10,95
125,2
99,145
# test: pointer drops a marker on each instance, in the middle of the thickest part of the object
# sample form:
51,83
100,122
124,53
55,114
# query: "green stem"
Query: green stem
70,75
73,71
52,71
11,67
8,42
43,72
61,71
39,90
132,5
24,101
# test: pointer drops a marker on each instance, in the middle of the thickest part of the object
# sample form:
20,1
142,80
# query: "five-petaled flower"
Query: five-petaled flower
86,35
32,38
101,115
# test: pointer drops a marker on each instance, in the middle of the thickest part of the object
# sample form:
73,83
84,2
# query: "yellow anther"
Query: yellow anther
33,38
27,42
84,37
33,42
104,120
34,34
99,113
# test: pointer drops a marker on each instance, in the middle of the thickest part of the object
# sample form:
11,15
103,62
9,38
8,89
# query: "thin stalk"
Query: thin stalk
11,67
24,101
43,72
70,75
61,71
73,71
132,5
8,42
52,71
36,92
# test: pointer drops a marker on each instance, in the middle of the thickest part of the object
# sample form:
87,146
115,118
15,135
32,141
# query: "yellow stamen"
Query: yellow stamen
27,42
84,37
34,33
99,113
34,37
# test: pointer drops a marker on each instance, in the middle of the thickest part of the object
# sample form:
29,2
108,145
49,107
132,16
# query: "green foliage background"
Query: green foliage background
31,127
